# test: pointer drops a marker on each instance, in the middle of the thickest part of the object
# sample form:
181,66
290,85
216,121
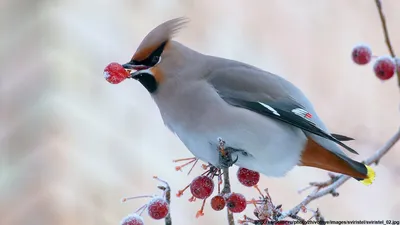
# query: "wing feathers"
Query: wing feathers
289,113
342,137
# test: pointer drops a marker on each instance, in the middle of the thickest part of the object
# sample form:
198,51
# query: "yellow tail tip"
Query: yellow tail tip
370,176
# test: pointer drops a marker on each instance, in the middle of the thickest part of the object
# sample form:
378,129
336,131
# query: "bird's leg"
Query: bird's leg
225,158
225,154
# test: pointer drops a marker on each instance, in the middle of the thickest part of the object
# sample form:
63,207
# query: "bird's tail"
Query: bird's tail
314,155
367,173
370,176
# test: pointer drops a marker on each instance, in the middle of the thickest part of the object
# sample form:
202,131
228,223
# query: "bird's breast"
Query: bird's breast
198,116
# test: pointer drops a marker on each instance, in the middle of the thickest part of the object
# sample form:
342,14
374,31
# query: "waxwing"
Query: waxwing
267,123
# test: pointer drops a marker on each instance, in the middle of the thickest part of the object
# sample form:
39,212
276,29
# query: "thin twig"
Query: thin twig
384,27
227,184
319,218
339,180
167,189
342,178
226,190
386,33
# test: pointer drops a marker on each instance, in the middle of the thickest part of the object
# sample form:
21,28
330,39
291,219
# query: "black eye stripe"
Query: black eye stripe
150,60
159,50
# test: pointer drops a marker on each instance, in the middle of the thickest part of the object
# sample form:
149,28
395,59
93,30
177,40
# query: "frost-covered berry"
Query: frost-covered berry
132,219
218,203
202,187
384,67
236,203
158,208
114,73
361,54
247,177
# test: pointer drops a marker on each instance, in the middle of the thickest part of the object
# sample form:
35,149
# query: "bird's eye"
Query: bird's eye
155,59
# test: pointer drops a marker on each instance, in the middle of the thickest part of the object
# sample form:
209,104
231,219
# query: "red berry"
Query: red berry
236,202
283,222
158,208
133,219
384,67
247,177
202,187
115,73
361,54
218,203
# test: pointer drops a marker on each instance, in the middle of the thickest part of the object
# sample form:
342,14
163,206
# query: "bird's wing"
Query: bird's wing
287,112
264,93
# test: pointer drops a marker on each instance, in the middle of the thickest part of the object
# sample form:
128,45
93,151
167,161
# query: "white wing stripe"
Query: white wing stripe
270,108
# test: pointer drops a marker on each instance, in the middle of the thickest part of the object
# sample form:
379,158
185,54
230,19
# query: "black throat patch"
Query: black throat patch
148,81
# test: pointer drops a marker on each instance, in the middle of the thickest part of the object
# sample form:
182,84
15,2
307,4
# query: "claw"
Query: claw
234,161
230,150
225,154
226,160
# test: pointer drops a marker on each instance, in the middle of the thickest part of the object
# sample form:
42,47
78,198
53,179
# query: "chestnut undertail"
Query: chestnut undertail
314,155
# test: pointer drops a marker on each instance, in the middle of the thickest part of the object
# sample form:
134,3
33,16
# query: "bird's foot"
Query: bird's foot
225,155
226,160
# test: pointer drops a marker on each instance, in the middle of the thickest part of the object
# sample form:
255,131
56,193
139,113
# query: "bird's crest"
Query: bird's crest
162,33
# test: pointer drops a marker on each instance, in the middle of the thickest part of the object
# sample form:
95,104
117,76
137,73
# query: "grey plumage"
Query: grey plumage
194,108
202,98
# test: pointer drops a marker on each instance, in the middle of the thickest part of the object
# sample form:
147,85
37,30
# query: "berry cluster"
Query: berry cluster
384,67
157,208
202,187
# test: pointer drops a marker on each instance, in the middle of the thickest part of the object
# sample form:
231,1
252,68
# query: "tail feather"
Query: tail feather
370,176
342,137
314,155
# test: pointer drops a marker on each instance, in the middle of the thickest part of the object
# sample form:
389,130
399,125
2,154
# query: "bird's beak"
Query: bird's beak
130,66
139,73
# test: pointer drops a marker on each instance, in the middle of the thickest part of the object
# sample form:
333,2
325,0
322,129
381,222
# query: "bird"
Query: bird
267,123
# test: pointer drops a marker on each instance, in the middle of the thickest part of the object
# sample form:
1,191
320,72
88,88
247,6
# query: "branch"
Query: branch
227,184
167,189
227,189
339,180
386,33
330,186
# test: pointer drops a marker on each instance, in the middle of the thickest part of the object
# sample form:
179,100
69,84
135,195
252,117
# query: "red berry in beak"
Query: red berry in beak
132,219
158,208
361,54
384,67
247,177
202,187
115,73
236,203
218,203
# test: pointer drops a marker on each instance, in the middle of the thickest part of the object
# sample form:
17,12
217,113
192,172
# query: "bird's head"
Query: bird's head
157,55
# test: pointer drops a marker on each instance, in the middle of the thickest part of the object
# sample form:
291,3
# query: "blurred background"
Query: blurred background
72,145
